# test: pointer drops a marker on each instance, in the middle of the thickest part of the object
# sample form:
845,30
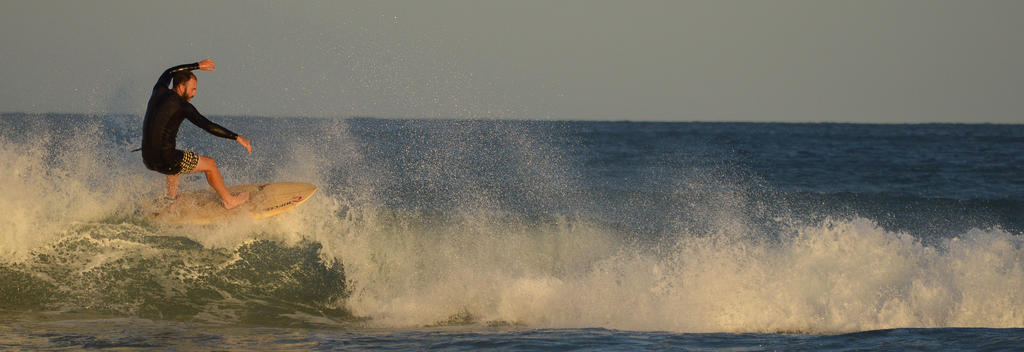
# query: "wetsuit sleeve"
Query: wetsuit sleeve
199,120
165,78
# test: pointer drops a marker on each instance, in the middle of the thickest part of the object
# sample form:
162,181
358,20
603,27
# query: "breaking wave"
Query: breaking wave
76,246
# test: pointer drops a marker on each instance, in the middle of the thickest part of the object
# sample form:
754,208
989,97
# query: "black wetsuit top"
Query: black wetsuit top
164,114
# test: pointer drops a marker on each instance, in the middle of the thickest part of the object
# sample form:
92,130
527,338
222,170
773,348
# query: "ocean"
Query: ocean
521,235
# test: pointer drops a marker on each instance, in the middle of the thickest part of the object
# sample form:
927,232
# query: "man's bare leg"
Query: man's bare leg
172,186
213,177
172,191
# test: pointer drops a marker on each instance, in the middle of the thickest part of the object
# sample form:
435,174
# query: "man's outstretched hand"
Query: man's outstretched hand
245,143
207,65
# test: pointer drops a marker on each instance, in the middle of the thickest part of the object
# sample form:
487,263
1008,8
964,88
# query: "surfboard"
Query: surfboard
204,207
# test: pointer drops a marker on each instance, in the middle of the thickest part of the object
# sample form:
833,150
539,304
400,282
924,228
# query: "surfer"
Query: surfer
166,110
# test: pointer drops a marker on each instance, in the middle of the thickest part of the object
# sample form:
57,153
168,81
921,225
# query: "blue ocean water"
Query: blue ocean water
525,235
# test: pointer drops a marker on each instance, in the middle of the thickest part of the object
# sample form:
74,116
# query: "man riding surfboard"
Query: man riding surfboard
166,110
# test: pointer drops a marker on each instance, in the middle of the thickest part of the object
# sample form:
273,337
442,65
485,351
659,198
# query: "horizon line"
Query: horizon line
93,114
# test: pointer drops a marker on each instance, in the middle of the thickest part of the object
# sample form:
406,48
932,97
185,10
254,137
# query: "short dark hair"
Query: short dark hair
181,77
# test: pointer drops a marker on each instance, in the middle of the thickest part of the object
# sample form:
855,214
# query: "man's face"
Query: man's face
187,90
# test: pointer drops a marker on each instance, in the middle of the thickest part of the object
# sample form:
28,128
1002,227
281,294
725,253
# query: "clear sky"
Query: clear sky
817,60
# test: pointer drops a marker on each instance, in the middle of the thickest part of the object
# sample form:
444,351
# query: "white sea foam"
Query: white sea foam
53,180
841,276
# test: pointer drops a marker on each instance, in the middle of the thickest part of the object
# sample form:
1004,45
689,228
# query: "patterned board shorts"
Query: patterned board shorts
189,162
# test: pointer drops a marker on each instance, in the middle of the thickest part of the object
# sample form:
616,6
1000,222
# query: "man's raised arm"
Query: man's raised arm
165,78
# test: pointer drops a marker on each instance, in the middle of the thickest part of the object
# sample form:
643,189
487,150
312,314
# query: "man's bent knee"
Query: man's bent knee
206,163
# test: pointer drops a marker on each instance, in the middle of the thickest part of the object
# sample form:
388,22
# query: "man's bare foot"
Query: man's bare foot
236,200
